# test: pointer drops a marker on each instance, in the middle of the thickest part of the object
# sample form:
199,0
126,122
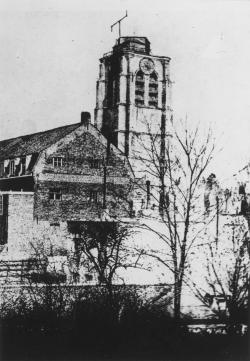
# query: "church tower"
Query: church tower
133,95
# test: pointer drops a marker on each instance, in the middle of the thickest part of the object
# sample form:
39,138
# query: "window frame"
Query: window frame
23,165
12,167
95,163
55,194
94,197
57,162
2,169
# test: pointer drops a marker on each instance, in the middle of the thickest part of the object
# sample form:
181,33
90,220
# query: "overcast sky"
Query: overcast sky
50,51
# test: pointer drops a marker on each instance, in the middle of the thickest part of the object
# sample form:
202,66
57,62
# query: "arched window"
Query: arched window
153,90
139,88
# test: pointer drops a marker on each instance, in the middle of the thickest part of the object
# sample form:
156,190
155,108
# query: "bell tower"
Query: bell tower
133,97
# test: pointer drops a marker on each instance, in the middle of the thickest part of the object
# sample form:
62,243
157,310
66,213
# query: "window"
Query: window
23,165
1,205
139,88
95,197
12,167
1,169
95,163
242,189
153,90
55,194
57,162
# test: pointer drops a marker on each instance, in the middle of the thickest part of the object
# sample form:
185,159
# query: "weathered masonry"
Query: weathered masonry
133,98
51,178
83,172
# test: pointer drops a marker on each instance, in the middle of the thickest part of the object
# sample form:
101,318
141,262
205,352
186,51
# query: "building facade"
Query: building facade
52,178
81,172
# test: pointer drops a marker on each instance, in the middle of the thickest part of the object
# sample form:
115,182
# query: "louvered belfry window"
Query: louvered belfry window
139,88
153,90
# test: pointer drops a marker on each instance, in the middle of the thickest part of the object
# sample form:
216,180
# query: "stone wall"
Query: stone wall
28,236
78,152
76,201
20,220
77,178
118,113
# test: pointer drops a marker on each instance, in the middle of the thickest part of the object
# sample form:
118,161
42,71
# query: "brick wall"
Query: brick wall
75,203
77,178
78,153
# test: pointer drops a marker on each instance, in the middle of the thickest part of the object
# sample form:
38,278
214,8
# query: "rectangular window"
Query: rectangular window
23,166
95,197
95,163
12,167
57,162
55,194
1,169
1,205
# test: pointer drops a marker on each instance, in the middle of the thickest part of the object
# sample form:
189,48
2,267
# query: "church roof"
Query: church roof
33,143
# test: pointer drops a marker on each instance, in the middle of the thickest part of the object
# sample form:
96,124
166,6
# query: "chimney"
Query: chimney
85,118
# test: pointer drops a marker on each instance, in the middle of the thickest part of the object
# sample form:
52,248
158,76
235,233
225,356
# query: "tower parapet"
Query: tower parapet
136,44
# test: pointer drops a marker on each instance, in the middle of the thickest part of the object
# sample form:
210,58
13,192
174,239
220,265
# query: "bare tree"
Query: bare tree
176,164
227,271
103,247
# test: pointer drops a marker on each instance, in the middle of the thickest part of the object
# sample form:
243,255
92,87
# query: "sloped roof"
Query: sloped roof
33,143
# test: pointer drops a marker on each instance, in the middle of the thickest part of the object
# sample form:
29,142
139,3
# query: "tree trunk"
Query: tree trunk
177,299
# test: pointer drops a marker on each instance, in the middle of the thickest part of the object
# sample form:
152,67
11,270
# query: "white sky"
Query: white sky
50,51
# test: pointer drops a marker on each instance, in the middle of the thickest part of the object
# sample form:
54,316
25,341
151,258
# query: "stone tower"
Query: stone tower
133,94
